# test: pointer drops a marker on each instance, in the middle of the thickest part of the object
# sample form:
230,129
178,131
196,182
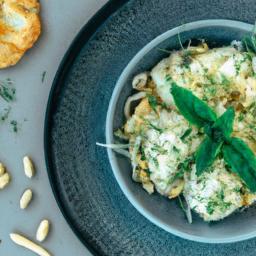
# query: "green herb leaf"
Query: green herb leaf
249,43
192,108
7,91
152,100
14,125
43,76
206,154
223,127
186,134
242,161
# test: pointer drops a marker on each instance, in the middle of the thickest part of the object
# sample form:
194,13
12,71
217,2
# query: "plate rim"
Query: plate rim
109,125
85,33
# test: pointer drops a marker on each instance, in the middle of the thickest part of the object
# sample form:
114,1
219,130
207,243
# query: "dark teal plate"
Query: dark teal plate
80,173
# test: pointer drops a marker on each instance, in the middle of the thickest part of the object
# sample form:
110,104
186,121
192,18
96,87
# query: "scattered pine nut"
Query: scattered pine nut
2,169
4,180
29,168
26,198
42,230
25,242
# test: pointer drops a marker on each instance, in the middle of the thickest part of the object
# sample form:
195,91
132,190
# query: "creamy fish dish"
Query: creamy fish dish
192,134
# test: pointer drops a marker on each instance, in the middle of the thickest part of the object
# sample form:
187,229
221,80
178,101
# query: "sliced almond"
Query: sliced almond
26,243
42,230
26,198
29,168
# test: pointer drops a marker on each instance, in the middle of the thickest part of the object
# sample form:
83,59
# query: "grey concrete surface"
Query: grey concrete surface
62,20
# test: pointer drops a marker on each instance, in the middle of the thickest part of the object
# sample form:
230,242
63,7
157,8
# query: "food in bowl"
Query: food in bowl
192,135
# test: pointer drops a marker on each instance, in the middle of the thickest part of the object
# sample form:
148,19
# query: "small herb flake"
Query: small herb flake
5,114
186,134
152,100
7,91
14,125
43,76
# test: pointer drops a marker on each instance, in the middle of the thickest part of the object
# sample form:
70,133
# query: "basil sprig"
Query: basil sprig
206,154
241,160
236,152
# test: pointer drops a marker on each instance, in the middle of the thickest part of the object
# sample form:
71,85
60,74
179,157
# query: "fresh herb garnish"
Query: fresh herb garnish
159,149
206,154
7,91
249,43
186,134
43,76
192,108
242,161
5,114
236,153
143,156
14,125
183,167
152,100
225,81
223,127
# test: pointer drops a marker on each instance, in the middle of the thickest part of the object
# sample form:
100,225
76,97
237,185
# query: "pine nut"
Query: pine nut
28,167
42,230
26,198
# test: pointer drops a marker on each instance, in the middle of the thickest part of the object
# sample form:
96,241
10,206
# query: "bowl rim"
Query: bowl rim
109,126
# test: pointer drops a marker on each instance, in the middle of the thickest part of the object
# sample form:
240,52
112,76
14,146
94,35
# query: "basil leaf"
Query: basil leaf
242,161
192,108
223,127
206,154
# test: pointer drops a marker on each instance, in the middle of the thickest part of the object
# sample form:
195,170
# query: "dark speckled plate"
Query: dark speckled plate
80,173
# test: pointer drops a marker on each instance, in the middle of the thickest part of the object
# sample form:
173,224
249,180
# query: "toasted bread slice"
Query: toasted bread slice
20,27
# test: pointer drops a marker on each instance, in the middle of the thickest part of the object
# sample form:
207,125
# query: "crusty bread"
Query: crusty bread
20,27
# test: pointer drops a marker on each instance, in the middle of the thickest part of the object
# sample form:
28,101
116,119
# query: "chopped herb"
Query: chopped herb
186,59
225,81
152,100
159,149
237,189
211,90
7,92
155,127
164,105
147,171
43,76
175,149
155,161
211,79
211,206
237,67
168,78
183,167
241,117
5,114
186,134
14,126
143,156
